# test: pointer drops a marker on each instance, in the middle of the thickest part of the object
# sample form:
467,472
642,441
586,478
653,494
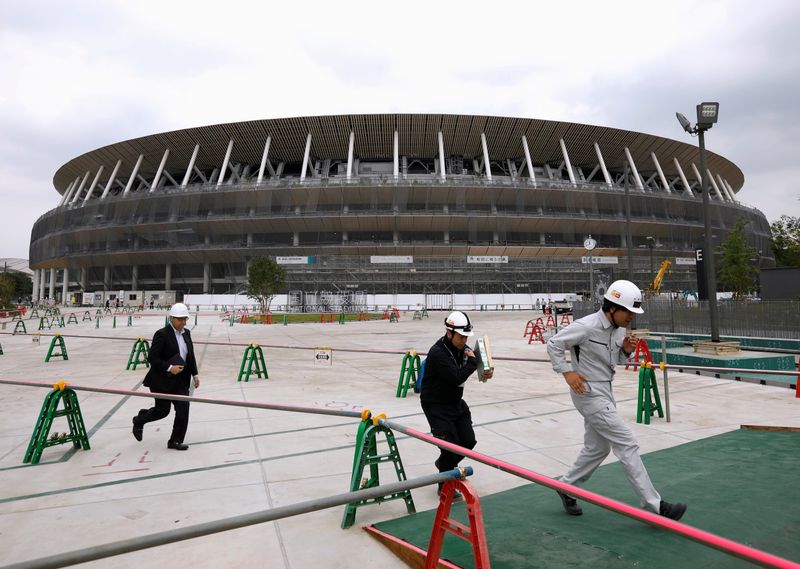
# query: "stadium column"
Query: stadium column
111,179
723,188
660,173
80,188
66,194
65,286
528,161
687,188
206,277
134,277
133,175
35,292
442,169
264,158
602,163
168,276
730,190
225,162
84,278
567,161
52,285
93,184
192,160
42,276
305,158
700,179
160,170
396,156
486,165
350,155
636,178
107,278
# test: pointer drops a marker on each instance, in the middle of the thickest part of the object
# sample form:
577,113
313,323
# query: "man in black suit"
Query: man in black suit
172,368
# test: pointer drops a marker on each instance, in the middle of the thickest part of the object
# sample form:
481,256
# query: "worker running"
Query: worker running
597,343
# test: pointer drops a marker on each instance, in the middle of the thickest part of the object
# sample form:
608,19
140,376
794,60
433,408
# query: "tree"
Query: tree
7,286
736,273
786,241
266,278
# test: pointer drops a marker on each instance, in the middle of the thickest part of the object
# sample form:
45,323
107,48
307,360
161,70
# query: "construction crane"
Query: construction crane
658,281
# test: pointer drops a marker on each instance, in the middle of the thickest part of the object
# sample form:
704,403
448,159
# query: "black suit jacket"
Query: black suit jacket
163,348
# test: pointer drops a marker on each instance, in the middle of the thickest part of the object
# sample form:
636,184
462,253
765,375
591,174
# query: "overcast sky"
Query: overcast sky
78,75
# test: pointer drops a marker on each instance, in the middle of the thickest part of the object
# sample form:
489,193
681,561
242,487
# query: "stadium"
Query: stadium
385,203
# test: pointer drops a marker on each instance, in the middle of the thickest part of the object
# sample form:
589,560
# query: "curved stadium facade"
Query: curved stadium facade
391,203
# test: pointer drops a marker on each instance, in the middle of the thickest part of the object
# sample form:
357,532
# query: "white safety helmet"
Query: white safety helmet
179,310
625,294
459,322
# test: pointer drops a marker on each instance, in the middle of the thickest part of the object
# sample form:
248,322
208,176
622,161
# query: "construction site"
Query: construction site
308,447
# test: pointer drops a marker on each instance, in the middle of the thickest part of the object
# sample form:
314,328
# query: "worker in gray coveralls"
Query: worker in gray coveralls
597,343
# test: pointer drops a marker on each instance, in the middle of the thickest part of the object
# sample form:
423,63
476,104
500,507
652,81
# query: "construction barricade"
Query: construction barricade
253,361
648,401
40,439
409,371
57,343
139,352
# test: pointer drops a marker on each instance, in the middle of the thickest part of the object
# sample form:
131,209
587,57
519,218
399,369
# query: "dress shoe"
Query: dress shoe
177,446
570,504
138,429
672,511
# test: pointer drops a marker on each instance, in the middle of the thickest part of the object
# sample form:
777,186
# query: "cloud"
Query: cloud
84,74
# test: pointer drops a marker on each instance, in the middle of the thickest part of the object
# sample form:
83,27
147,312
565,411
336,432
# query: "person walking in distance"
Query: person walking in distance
449,364
597,343
172,368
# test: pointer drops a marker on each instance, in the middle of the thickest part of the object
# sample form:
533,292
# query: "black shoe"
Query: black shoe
570,504
138,429
672,511
177,446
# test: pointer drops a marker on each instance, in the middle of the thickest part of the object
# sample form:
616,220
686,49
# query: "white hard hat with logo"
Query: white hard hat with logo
459,322
179,310
625,294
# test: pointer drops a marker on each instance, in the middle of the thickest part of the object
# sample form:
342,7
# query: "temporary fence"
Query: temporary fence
765,319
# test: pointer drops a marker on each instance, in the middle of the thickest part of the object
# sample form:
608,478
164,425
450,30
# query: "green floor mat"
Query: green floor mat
741,485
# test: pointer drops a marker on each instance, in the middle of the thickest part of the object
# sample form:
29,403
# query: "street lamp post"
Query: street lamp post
707,114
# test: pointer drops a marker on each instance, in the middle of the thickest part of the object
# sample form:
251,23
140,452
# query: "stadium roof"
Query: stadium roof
374,139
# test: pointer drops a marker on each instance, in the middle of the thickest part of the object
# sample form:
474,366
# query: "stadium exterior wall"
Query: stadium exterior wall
382,204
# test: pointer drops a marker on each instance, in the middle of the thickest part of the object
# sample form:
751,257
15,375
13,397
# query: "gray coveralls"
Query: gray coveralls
596,347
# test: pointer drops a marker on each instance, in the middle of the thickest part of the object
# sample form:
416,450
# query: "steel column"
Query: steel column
111,179
350,147
486,165
602,163
528,160
684,181
636,177
132,177
264,158
660,173
93,184
189,168
442,162
225,162
567,161
80,188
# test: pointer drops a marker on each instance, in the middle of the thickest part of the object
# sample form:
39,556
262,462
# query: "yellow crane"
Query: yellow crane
658,281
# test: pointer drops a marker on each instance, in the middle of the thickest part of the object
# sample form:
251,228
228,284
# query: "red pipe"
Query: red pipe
703,537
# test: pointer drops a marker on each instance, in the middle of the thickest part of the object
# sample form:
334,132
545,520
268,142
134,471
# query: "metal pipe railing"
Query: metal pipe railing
702,537
173,397
235,522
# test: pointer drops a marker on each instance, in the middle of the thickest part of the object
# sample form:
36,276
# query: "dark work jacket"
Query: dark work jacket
445,370
163,348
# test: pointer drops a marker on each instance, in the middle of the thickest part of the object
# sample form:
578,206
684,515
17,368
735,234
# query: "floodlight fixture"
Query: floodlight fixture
707,114
687,126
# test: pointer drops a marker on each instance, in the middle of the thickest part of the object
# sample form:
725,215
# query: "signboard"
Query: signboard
702,291
88,299
323,355
294,260
685,261
601,260
487,259
377,259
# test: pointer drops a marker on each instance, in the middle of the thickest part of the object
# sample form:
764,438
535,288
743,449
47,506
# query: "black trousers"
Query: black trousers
161,410
451,423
